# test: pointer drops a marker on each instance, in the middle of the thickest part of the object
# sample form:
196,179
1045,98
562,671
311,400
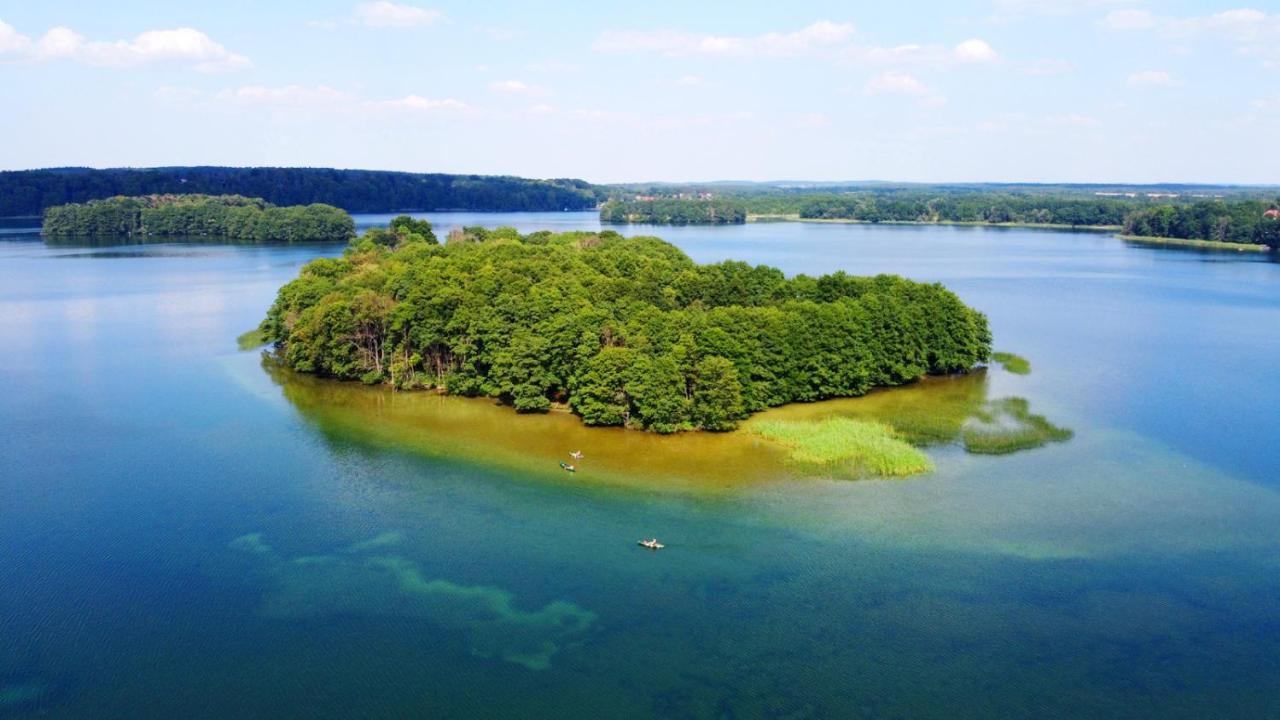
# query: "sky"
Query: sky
965,90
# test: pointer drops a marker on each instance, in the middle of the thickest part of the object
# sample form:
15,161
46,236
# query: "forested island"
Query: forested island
623,331
29,192
673,212
228,217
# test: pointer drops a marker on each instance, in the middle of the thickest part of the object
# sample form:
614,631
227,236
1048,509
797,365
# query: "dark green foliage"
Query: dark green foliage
673,212
983,207
29,192
1230,222
626,331
230,217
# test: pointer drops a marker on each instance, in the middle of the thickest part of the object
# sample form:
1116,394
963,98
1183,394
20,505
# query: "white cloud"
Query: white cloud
975,50
515,87
814,120
296,95
181,46
1128,20
818,36
1050,7
1151,78
895,83
420,104
688,81
389,14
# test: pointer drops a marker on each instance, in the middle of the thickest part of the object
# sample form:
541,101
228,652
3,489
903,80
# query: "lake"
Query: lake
185,532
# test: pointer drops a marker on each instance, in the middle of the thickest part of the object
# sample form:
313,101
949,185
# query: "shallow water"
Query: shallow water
183,534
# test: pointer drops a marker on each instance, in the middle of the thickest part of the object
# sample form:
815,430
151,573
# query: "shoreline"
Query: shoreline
1185,242
792,217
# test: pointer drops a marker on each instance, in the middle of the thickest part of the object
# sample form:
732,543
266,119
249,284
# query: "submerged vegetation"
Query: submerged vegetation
1015,364
1008,425
230,217
845,447
624,331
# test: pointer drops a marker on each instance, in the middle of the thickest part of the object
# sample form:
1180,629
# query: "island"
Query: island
621,331
225,217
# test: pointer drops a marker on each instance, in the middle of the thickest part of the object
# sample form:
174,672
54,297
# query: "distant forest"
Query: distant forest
230,217
30,192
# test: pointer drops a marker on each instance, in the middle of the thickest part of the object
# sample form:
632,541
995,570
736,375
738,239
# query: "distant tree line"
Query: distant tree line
230,217
994,208
29,192
625,331
673,212
1249,221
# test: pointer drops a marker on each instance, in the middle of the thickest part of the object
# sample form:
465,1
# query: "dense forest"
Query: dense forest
673,212
1250,221
991,208
29,192
230,217
625,331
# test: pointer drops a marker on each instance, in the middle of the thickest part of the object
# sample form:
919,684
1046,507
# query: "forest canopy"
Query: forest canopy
625,331
29,192
230,217
1249,221
673,212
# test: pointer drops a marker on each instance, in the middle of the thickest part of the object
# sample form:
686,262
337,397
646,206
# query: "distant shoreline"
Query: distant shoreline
1184,242
792,217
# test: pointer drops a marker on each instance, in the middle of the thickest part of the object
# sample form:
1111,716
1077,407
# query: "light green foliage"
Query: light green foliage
625,331
1015,364
1247,222
845,446
229,217
674,212
251,339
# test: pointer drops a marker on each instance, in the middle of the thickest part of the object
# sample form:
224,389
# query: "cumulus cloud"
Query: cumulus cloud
1151,78
389,14
181,46
975,50
818,36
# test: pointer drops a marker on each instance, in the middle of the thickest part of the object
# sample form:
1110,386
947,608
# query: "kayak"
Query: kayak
568,467
651,544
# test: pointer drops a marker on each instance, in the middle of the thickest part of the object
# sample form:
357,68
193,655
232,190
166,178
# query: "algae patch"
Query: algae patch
368,579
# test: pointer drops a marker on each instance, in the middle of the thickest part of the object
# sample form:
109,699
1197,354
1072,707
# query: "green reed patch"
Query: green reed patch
251,340
1007,426
848,447
1015,364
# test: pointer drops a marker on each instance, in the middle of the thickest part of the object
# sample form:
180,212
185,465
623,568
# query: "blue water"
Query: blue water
178,540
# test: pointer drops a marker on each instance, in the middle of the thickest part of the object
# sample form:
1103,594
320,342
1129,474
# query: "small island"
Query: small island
621,331
225,217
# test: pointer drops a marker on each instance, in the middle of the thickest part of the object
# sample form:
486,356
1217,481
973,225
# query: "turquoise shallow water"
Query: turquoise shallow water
178,540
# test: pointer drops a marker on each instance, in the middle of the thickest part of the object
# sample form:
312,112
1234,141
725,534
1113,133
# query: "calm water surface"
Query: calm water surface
182,536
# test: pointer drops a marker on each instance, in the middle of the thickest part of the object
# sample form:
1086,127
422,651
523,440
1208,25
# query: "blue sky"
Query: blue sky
998,90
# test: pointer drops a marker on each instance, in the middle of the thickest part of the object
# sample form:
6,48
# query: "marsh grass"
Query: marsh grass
846,447
1015,364
251,340
1007,426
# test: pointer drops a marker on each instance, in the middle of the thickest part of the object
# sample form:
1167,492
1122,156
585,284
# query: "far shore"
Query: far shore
793,217
1207,244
